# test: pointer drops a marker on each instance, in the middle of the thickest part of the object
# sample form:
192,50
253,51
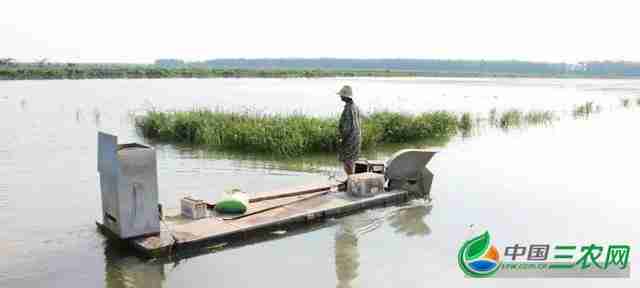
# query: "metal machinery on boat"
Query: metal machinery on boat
129,190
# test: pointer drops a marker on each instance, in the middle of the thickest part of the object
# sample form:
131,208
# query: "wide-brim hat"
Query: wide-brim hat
345,91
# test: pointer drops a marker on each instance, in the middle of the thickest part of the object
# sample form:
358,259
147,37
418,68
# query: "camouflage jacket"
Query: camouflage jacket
350,134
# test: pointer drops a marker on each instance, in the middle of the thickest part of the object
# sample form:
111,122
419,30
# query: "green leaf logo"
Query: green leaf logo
478,258
477,246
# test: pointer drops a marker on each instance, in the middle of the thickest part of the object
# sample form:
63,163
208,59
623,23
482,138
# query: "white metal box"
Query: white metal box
193,208
129,187
365,184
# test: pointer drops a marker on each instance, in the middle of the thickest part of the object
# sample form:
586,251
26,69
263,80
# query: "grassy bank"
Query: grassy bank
35,71
288,135
59,71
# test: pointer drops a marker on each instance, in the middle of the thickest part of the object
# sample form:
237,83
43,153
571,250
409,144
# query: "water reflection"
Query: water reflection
97,116
78,115
319,163
346,248
123,269
408,221
24,105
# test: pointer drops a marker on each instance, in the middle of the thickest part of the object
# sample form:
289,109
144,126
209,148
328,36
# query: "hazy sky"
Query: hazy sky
141,31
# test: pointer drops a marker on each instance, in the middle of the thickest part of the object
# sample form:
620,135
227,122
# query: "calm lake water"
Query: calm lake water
575,181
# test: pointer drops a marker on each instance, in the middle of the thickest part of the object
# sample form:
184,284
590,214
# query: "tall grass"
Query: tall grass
510,119
515,118
296,134
539,117
466,123
584,110
493,116
288,135
625,102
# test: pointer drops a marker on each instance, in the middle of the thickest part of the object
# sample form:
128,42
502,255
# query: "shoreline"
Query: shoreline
60,72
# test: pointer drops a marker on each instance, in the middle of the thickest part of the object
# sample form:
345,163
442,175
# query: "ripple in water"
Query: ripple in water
4,195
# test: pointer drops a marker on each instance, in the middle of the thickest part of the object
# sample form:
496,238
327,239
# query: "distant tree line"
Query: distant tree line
590,68
418,65
170,63
623,68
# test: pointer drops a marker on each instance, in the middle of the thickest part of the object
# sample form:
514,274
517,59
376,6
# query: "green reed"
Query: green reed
288,135
584,110
510,119
465,123
625,102
539,117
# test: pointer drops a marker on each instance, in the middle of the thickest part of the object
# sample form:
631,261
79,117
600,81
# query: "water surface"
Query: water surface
572,182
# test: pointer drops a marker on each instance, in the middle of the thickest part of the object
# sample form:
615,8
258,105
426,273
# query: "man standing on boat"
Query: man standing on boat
349,130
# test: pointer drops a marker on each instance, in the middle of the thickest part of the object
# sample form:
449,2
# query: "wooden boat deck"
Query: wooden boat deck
318,203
